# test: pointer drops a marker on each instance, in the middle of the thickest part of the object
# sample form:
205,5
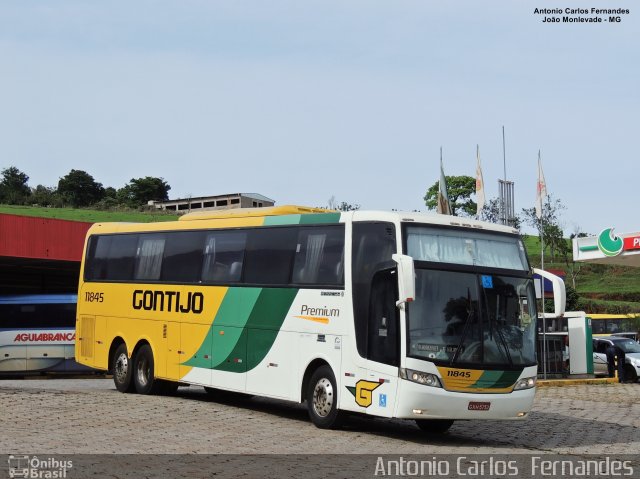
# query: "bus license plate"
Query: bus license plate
479,406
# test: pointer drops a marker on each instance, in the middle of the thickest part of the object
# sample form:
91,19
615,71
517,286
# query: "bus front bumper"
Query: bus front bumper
417,401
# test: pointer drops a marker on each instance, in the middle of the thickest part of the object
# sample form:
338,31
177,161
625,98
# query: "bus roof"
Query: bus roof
256,217
252,212
431,219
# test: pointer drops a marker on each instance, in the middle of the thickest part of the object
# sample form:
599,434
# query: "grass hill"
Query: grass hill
601,289
90,216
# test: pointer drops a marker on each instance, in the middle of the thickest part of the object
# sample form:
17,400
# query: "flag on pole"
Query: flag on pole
541,190
444,208
479,184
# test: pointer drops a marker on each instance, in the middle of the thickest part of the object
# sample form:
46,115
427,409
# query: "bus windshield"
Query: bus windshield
472,320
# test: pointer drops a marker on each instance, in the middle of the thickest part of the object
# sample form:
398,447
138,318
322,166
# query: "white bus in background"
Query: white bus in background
37,333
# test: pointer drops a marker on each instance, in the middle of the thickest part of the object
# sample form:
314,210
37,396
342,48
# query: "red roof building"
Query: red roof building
40,255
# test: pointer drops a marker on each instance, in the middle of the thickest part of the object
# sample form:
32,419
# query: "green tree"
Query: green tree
333,204
139,191
13,186
548,226
45,196
574,268
80,189
459,190
491,212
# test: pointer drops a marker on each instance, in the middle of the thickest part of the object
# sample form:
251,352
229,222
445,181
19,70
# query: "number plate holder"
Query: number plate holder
479,406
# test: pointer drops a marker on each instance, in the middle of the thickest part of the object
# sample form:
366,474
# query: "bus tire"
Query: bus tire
322,399
434,426
121,368
143,372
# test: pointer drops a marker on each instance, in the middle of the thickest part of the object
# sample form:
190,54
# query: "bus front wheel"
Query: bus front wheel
121,369
322,399
434,426
143,374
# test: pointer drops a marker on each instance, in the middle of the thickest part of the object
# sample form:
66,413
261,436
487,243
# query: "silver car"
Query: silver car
631,350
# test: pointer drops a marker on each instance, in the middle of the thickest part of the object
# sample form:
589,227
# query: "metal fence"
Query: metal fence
554,356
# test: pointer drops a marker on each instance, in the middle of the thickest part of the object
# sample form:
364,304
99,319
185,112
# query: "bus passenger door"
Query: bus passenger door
383,350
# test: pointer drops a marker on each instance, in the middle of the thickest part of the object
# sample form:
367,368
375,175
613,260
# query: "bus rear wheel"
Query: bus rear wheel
143,373
322,399
434,426
121,369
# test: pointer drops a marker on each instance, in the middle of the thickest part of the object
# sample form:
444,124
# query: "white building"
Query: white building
220,202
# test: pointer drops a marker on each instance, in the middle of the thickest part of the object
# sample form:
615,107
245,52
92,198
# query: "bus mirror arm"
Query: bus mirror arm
559,293
406,279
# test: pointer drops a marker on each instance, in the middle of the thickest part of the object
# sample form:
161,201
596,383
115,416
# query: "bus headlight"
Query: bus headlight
525,383
420,377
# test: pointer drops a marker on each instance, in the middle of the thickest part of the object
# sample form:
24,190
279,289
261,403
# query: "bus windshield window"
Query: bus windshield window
472,319
469,248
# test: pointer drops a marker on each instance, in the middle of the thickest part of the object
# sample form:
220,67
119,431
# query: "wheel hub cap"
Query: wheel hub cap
122,368
323,397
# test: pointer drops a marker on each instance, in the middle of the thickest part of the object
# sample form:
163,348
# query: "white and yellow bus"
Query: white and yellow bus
407,315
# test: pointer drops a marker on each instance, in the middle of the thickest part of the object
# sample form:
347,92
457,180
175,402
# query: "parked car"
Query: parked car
633,336
631,350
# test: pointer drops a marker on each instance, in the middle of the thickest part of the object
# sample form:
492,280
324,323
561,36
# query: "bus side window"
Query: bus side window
111,257
319,256
269,256
224,256
149,257
182,260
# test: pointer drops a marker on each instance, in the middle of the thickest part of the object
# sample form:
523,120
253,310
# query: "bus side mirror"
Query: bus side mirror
406,279
559,293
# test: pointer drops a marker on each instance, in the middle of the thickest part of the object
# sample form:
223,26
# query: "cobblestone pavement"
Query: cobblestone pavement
88,416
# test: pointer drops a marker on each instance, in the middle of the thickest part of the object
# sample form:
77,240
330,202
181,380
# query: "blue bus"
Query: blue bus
37,333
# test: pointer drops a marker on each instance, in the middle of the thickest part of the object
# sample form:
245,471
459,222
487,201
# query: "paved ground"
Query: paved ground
88,416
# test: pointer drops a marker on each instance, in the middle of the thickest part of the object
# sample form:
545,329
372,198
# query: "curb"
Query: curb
574,382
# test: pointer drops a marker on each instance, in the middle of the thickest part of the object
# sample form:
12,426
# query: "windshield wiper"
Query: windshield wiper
497,329
464,330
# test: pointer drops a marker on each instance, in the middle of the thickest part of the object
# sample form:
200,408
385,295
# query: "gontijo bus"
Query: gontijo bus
408,315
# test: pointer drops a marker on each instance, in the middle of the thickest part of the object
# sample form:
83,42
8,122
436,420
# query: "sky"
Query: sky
304,101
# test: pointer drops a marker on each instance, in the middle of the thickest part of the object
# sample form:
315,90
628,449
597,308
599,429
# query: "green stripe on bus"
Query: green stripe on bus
282,220
232,317
265,322
320,218
496,379
250,319
305,219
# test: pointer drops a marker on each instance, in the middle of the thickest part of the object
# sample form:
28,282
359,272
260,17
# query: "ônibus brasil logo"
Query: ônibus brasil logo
32,467
609,243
